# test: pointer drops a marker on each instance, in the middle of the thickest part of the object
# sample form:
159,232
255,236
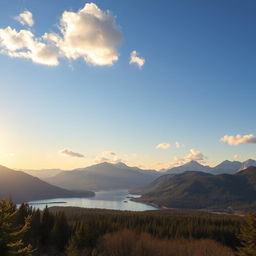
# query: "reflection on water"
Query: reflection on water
115,200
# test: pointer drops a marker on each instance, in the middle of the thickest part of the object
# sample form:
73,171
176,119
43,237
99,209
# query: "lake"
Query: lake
114,200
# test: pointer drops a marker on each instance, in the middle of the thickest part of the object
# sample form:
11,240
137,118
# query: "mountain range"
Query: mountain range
200,190
191,185
22,187
107,176
228,167
103,176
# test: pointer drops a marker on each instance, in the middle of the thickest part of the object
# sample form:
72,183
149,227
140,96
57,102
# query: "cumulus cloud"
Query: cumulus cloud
25,18
239,139
134,59
194,155
70,153
89,33
163,146
23,44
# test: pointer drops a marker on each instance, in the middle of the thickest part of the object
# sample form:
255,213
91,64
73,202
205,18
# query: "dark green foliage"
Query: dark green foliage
78,231
47,223
167,224
60,232
48,232
248,236
11,234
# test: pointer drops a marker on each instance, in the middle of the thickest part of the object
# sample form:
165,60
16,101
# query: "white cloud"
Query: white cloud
23,44
70,153
134,59
90,33
194,155
239,139
163,146
237,156
25,18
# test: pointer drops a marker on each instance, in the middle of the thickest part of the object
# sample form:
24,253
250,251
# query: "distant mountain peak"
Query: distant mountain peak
228,163
189,166
247,163
250,160
193,163
121,164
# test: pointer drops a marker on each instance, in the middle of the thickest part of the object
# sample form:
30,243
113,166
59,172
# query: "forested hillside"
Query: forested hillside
199,190
89,232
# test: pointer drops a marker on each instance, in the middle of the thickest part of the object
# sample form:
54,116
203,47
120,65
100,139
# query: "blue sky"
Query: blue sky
196,86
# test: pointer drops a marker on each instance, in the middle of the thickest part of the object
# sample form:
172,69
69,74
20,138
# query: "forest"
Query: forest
94,232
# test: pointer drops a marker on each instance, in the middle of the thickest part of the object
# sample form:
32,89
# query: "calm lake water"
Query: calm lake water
115,200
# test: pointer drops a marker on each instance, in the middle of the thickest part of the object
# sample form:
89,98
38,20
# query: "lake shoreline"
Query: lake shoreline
112,200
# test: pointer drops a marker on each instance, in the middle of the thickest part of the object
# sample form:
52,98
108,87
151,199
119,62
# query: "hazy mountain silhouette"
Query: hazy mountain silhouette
228,167
190,166
196,190
104,176
225,167
43,173
22,187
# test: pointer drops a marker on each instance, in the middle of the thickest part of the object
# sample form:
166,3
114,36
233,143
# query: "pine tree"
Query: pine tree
10,234
248,236
80,241
47,223
34,232
60,231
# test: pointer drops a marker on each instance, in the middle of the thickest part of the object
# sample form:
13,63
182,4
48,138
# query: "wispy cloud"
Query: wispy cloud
70,153
166,145
163,146
135,59
239,139
25,18
90,33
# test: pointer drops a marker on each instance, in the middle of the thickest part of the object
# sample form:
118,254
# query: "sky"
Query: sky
153,84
